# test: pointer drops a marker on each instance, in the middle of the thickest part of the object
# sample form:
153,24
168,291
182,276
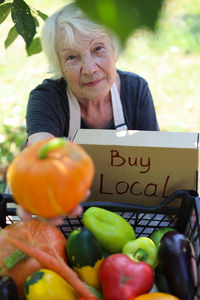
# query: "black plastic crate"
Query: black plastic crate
144,219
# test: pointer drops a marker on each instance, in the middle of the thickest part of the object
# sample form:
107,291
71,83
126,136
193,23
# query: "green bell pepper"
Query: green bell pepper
157,235
142,249
112,230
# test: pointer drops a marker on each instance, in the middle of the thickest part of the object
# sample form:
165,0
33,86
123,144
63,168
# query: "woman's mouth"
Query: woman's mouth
93,82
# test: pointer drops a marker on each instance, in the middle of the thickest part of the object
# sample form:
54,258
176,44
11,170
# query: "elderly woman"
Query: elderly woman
86,90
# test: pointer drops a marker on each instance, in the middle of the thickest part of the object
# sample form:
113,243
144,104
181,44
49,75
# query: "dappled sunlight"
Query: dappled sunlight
123,133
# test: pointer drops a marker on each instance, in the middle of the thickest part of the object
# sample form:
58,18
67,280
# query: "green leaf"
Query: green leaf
123,16
24,21
35,47
2,1
36,22
149,12
12,35
42,15
4,11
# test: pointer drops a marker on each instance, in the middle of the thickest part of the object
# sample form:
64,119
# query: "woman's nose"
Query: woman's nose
89,65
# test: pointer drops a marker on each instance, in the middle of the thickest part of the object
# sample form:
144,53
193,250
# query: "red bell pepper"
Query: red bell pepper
122,278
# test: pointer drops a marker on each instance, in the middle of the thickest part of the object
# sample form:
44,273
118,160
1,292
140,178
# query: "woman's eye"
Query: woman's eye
98,48
70,57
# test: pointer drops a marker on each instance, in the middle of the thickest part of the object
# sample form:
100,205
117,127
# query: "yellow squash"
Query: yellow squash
45,284
85,256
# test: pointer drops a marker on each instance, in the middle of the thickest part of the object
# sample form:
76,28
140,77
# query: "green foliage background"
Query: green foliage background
132,14
169,60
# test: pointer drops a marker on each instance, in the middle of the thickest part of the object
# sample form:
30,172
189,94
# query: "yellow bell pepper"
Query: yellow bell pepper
156,296
46,284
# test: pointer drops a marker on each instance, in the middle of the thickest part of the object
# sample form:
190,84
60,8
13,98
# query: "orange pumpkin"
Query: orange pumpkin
37,234
156,296
51,177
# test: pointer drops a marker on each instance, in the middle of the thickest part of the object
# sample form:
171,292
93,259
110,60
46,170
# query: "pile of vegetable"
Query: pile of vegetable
37,236
102,260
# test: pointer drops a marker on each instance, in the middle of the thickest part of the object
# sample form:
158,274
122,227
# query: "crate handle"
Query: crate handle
119,206
183,212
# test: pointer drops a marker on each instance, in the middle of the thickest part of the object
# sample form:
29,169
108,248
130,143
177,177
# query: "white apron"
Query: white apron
75,113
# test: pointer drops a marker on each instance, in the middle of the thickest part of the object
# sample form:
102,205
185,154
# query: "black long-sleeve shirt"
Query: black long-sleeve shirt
48,107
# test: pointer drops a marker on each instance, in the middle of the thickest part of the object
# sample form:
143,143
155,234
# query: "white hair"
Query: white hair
73,21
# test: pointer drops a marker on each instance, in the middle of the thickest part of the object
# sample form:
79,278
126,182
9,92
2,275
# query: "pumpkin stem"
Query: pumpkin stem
51,145
15,258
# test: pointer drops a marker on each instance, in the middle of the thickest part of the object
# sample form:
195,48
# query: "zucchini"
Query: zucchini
85,256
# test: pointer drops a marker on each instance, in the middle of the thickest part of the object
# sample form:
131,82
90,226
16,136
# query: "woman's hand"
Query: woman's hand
57,221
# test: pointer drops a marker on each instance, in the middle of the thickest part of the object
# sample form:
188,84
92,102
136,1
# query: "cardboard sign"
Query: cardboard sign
141,167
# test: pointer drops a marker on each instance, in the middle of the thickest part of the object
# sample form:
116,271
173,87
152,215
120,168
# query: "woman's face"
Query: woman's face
88,66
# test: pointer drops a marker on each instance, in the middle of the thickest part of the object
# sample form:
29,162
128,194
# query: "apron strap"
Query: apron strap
75,112
118,114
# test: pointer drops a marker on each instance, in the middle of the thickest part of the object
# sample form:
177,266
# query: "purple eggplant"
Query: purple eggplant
177,269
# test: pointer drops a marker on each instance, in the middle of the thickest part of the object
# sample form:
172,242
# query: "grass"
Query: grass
173,79
169,61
